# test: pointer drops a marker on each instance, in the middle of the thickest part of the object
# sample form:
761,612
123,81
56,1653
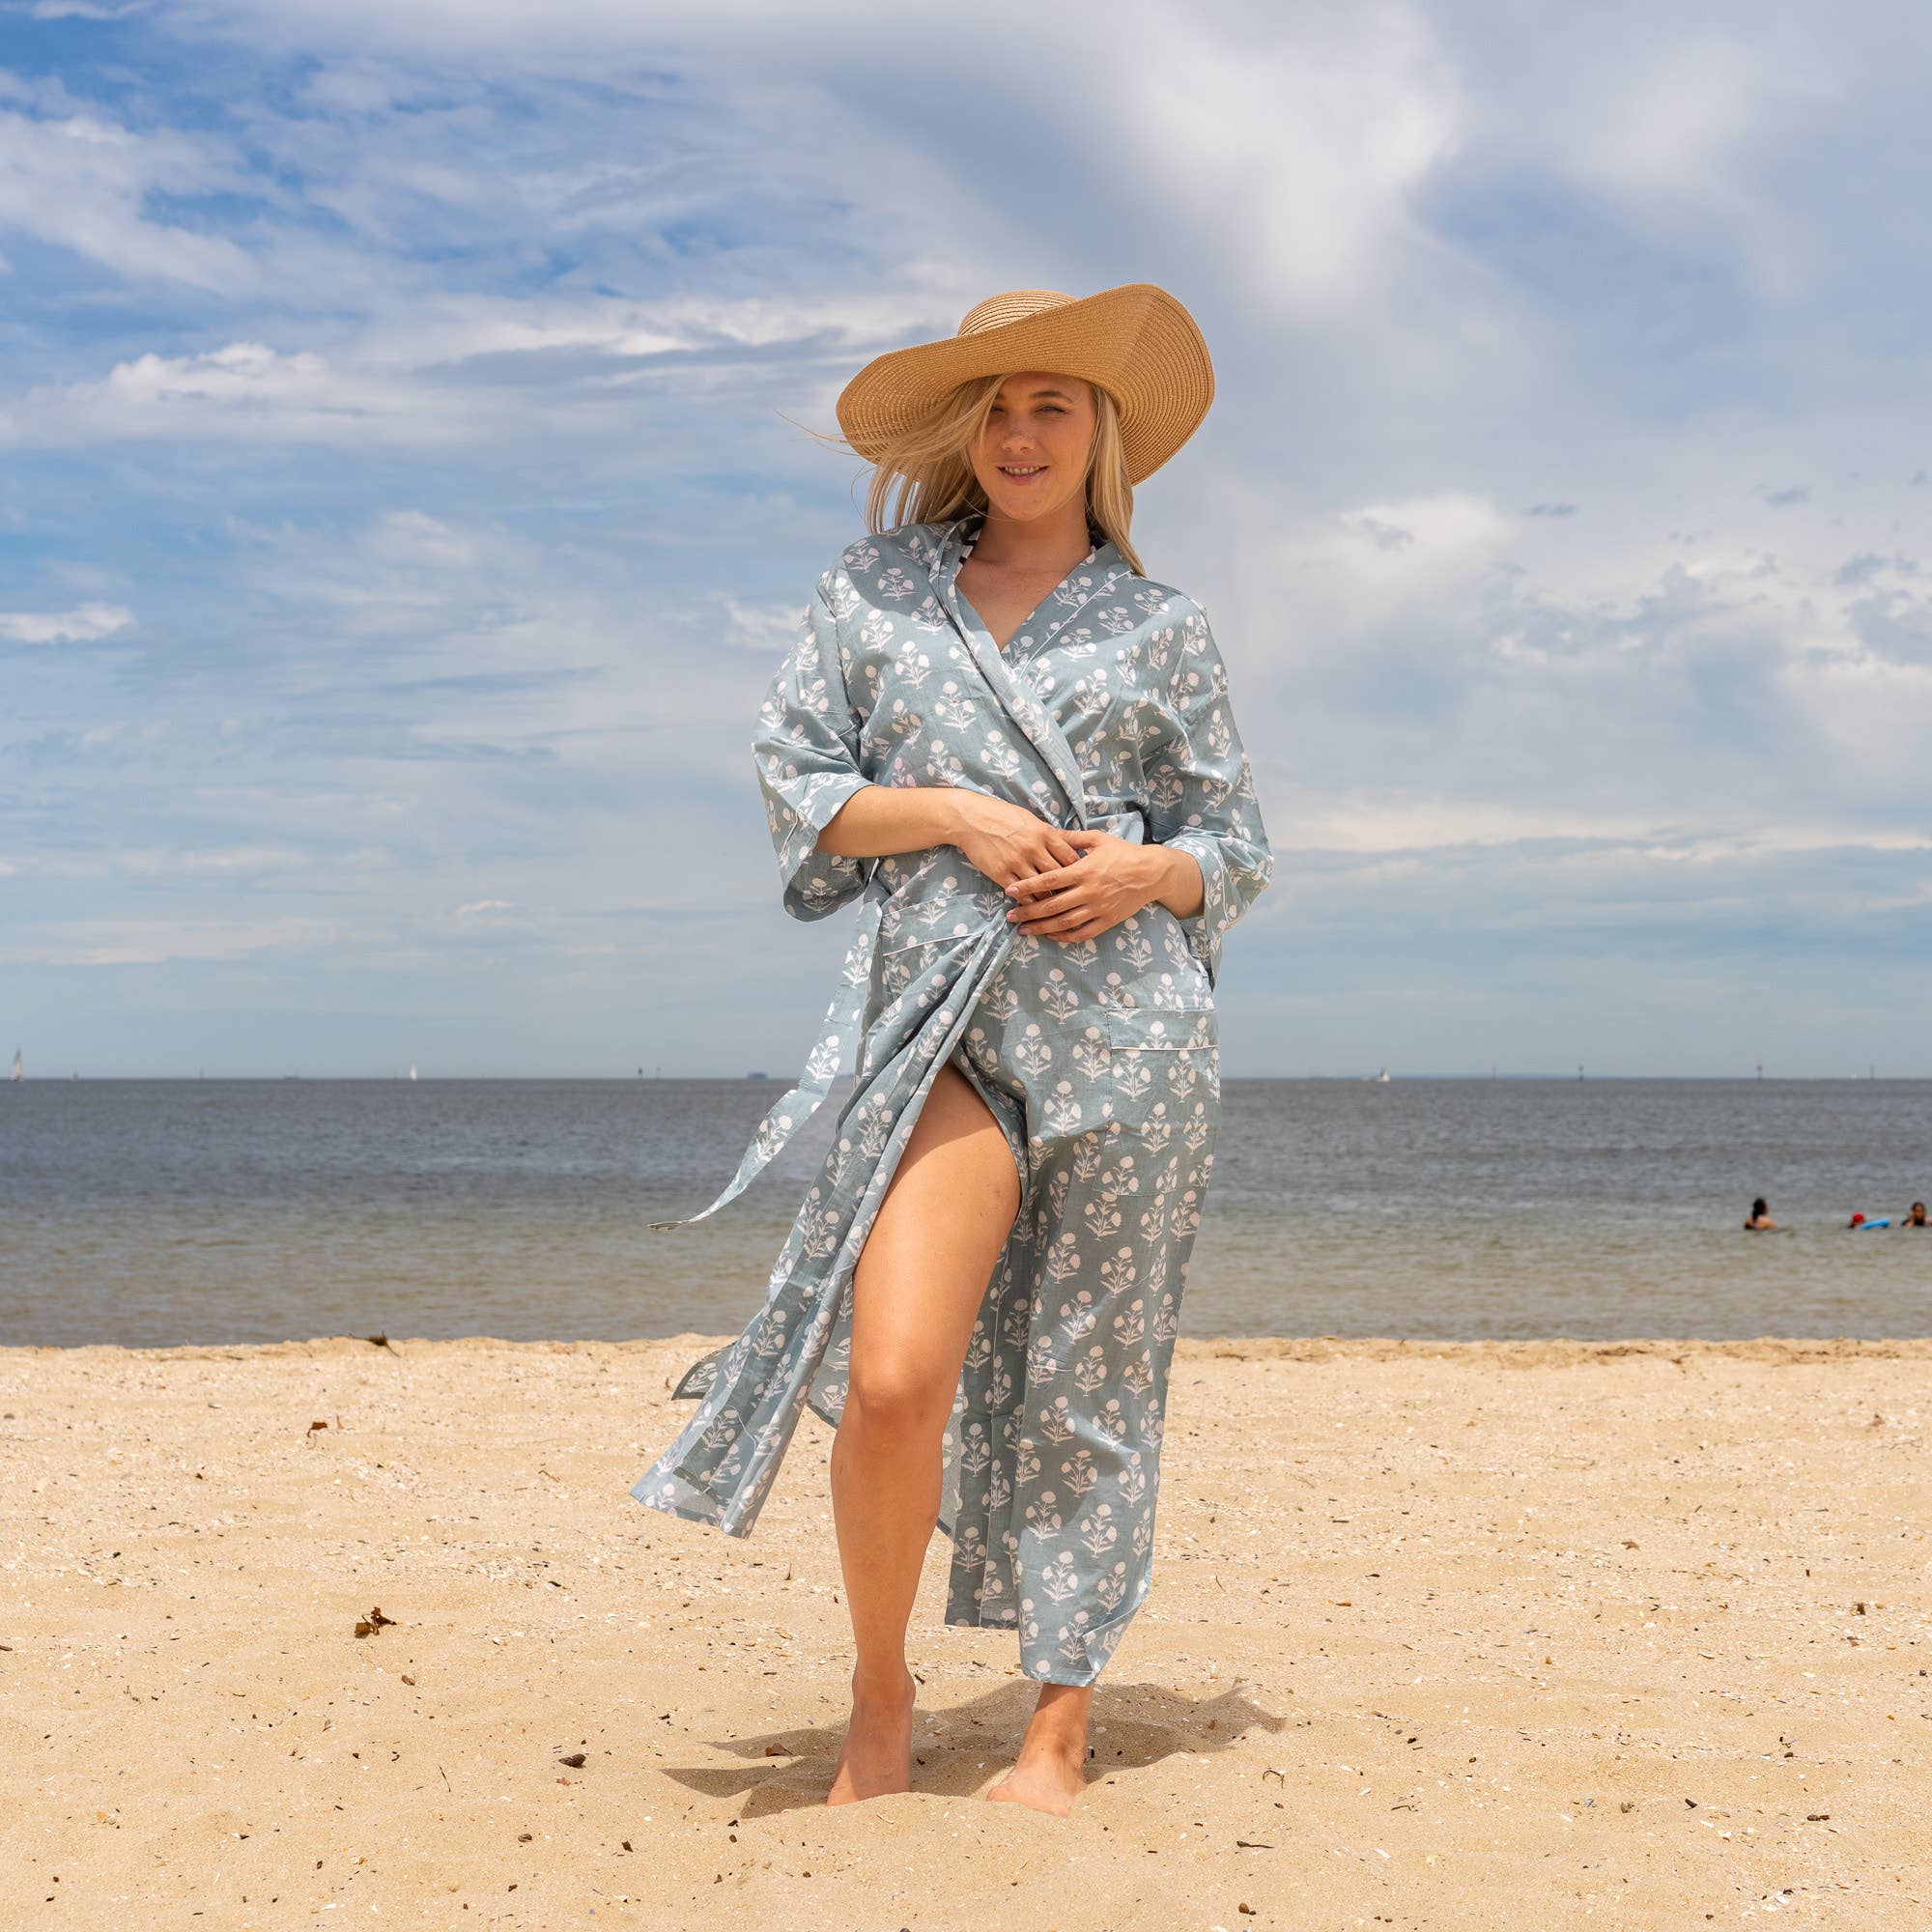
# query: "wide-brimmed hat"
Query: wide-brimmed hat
1136,342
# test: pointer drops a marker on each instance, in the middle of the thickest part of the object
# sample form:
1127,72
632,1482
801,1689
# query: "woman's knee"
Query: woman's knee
898,1396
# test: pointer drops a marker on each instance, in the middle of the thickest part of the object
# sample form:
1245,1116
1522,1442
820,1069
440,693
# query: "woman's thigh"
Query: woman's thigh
933,1249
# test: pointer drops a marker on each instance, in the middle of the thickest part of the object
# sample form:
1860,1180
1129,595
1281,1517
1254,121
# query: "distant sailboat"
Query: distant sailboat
412,1070
18,1072
1376,1079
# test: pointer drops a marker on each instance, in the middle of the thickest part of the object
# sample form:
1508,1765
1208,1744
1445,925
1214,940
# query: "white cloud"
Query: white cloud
87,10
80,180
1398,824
436,376
415,537
132,942
82,625
244,863
765,631
245,390
1296,139
1367,567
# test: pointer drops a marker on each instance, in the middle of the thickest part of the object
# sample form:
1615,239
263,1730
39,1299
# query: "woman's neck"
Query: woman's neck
1053,542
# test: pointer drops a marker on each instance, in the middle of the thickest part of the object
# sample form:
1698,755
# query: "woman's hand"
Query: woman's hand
1006,841
1110,880
1002,840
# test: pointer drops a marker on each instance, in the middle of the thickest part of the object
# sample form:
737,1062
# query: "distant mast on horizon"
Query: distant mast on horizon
18,1072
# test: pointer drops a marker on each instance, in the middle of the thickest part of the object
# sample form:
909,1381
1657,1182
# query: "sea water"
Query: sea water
156,1212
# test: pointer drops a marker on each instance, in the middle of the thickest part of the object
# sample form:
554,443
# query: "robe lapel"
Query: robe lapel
1014,694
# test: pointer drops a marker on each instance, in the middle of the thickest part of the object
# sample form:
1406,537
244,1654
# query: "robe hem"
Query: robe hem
711,1519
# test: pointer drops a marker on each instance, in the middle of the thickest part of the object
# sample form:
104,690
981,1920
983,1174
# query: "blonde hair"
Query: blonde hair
926,469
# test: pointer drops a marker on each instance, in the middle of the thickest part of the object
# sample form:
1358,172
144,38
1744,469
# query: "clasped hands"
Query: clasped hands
1070,882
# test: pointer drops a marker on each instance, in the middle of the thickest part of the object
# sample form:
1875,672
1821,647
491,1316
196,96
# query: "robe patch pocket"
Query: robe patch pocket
1152,1075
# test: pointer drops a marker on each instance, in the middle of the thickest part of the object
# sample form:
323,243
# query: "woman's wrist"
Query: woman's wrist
1175,879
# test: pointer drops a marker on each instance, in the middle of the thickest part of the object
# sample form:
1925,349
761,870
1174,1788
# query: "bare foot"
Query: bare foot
1052,1768
1049,1777
877,1757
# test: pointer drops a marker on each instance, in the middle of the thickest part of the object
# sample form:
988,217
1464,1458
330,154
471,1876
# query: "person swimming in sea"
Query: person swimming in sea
1759,1217
1917,1218
1864,1220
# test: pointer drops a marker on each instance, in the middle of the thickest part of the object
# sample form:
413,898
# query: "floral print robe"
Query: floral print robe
1108,708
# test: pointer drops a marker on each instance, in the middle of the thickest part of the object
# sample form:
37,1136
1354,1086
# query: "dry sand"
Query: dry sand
1534,1635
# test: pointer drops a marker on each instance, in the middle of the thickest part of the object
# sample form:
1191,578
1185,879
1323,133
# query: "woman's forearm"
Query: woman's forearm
883,821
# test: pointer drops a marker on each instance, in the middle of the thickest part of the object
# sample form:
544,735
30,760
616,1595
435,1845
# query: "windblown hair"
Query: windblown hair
925,475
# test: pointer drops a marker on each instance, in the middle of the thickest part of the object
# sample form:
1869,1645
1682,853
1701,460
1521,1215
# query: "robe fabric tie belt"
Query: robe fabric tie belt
821,1067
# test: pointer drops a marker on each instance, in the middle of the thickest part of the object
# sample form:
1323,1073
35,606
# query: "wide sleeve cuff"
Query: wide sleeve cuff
816,883
1203,929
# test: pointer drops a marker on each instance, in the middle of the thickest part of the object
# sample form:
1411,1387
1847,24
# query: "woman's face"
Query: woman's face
1032,456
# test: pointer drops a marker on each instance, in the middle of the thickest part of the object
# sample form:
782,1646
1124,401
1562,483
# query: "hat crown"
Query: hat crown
1015,305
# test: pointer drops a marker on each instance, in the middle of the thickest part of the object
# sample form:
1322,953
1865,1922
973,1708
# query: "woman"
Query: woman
1017,752
1759,1217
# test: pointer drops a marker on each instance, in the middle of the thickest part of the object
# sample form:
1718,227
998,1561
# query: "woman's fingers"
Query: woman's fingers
1055,913
1060,927
1048,878
1048,907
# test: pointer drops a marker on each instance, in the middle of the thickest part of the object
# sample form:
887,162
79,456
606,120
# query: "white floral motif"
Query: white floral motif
1031,1054
1043,1513
1060,1580
1100,1532
1059,998
1062,1108
1091,1054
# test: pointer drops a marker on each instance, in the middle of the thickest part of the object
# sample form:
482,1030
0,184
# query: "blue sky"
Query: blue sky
406,494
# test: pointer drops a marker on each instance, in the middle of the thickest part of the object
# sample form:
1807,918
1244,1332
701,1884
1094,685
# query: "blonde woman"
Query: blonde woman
1016,750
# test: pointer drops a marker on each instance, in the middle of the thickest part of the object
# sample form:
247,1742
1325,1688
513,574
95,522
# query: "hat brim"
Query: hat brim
1136,342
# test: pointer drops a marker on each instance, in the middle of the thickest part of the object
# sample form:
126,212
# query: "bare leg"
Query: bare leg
915,1295
1052,1768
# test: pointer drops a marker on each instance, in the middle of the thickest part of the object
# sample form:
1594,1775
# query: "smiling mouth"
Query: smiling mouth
1021,471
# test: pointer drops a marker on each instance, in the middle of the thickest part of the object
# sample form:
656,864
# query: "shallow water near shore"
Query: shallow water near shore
156,1212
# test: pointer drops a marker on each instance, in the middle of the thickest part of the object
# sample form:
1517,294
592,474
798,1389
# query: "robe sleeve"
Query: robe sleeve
1201,792
807,752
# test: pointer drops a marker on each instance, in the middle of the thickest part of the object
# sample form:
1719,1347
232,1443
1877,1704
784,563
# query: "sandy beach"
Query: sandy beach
1444,1635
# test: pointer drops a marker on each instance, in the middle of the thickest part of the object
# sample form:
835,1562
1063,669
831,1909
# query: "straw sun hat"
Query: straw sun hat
1136,342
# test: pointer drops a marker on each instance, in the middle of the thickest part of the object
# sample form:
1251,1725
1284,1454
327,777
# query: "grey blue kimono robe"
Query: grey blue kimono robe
1109,708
